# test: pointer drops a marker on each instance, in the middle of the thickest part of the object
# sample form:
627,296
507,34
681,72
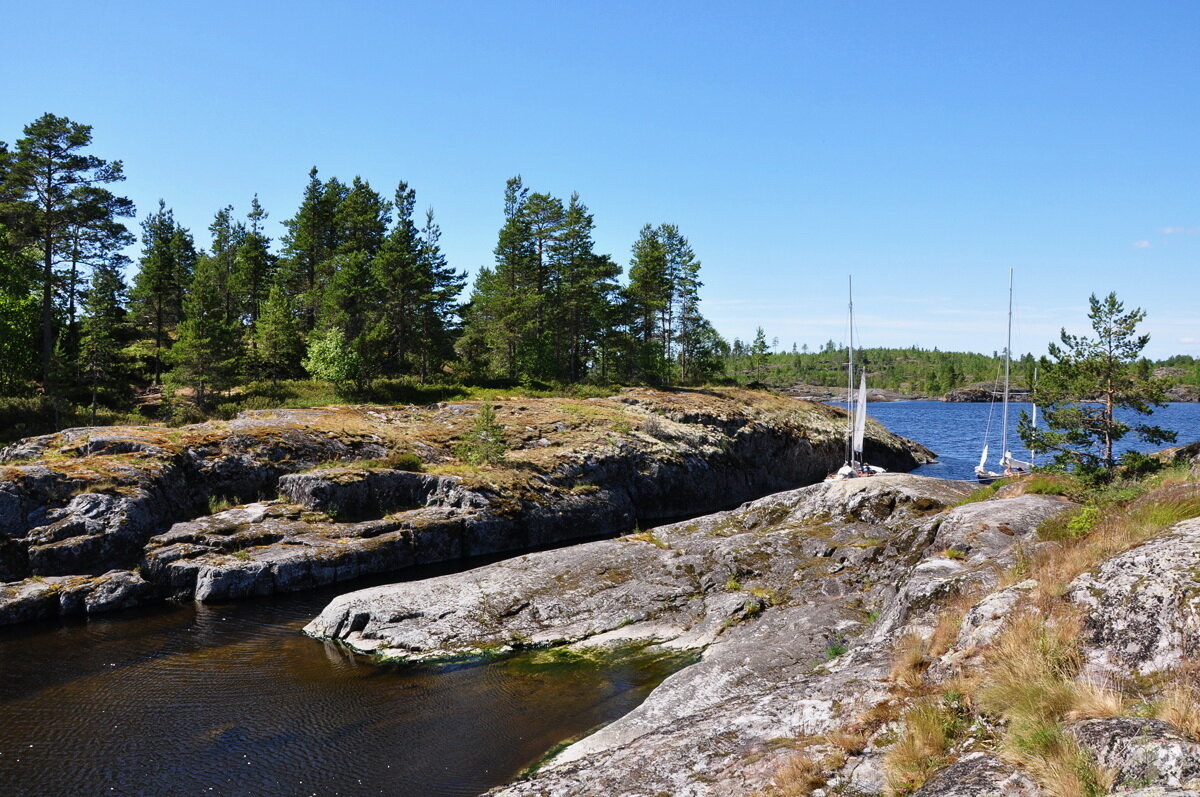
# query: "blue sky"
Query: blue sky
923,147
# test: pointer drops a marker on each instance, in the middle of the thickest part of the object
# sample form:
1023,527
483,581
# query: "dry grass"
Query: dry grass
803,774
1030,684
1114,534
1097,701
1179,703
930,729
910,661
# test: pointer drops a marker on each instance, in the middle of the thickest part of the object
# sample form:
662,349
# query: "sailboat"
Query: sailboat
856,415
1009,465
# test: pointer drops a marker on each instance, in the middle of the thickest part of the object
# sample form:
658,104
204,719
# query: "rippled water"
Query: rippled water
234,700
955,431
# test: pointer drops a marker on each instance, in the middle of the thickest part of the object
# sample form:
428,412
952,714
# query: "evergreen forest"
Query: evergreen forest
104,319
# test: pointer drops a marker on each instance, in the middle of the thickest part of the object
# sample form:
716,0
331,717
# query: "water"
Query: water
234,700
955,431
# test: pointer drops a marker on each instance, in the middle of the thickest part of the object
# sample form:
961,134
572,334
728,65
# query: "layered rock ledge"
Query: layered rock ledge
282,500
797,605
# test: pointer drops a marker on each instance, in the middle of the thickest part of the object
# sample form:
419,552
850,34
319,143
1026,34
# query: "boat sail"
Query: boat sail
856,415
1009,465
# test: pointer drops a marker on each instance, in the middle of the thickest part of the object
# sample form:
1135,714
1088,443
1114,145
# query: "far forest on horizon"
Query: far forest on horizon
356,301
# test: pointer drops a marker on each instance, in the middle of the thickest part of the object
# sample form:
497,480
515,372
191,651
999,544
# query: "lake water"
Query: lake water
234,700
955,430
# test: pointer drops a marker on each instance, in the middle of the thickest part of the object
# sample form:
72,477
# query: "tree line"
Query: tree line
356,290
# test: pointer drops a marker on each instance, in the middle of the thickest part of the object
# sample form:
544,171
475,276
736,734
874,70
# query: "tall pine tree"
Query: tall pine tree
51,187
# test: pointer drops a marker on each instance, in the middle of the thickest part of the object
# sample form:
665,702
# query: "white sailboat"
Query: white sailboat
1009,465
856,415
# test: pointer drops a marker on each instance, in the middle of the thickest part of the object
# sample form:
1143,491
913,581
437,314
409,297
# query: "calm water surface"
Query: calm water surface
956,431
234,700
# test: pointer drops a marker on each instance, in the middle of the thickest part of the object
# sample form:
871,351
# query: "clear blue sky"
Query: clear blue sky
923,147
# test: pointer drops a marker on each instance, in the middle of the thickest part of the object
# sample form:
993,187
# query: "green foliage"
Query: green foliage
484,443
207,355
58,213
1084,383
911,370
330,358
168,259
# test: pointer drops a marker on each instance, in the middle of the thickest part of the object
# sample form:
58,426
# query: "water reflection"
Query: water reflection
234,700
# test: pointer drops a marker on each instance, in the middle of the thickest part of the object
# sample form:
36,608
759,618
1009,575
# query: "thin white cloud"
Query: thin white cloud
1180,230
1189,340
1141,244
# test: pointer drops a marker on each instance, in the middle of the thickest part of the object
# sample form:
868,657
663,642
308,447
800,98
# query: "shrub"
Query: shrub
330,357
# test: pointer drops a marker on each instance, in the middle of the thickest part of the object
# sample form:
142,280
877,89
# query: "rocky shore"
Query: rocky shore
99,519
828,621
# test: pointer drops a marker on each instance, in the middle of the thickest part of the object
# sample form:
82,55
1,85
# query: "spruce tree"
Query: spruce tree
166,266
104,332
206,356
309,244
254,264
278,340
438,308
362,219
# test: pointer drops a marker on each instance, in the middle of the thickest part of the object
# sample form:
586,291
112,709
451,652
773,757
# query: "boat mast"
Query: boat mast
850,411
1007,361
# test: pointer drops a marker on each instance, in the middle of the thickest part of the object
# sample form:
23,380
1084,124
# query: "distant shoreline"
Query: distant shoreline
978,393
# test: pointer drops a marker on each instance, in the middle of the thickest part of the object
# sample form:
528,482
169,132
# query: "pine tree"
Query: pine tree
18,294
227,238
50,188
583,292
649,298
501,325
1084,383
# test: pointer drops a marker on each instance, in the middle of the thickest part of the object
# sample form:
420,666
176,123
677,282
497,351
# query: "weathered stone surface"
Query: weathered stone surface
348,493
776,594
980,775
1143,606
1140,751
98,496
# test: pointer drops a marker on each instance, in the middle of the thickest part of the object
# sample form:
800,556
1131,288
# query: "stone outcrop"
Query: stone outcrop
795,601
984,392
224,510
797,605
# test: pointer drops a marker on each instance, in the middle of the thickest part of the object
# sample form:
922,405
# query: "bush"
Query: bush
330,357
